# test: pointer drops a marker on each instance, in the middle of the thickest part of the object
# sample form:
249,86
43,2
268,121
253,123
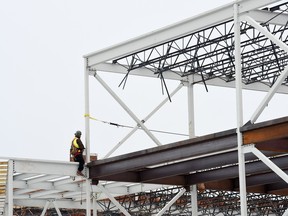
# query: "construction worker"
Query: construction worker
76,151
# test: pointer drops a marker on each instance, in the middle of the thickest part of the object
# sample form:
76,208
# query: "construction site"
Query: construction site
240,171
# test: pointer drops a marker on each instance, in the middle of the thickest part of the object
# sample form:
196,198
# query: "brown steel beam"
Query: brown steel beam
172,152
266,131
199,160
232,171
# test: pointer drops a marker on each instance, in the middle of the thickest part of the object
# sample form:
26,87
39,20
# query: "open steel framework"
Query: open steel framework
241,45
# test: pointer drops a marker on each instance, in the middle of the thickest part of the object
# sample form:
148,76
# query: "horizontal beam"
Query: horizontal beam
266,133
232,171
44,167
169,75
190,148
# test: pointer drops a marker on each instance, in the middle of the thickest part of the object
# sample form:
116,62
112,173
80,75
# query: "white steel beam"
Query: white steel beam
45,208
269,95
262,16
177,196
144,120
56,207
279,80
267,161
197,79
239,110
179,29
191,129
125,107
115,202
44,167
41,202
275,40
9,186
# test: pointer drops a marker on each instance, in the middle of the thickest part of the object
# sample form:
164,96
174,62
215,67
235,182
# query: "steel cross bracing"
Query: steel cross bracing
210,53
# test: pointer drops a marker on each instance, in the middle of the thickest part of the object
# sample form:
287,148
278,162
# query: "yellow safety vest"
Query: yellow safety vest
75,143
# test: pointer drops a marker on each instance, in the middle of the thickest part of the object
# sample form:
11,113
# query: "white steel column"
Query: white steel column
239,107
170,203
191,125
144,120
133,116
87,135
10,188
94,204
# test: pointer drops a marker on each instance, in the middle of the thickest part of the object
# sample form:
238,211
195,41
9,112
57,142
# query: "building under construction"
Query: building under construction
240,171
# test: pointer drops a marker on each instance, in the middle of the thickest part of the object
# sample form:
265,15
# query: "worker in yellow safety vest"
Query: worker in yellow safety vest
76,151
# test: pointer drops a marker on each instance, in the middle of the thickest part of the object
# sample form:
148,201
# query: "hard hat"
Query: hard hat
78,133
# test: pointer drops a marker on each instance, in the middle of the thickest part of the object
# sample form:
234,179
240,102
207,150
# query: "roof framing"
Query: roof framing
203,46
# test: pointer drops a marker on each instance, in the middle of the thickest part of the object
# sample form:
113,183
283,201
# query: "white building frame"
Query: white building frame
245,10
43,183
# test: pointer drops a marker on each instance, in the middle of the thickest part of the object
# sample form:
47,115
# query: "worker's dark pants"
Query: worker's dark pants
80,159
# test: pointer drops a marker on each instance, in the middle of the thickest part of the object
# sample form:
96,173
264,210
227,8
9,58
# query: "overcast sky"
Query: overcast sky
42,87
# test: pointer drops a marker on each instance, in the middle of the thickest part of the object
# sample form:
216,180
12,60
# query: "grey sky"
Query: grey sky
41,85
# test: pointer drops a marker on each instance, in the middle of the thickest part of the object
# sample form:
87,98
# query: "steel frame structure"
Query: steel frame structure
44,185
224,47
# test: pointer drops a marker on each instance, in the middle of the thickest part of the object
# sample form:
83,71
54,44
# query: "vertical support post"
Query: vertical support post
239,107
191,125
87,121
10,187
94,204
87,134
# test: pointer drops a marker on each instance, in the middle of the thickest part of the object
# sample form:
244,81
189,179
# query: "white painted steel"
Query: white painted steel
194,200
191,128
126,108
275,40
269,95
115,202
94,204
144,120
67,190
285,213
239,109
9,191
267,161
56,207
88,197
279,80
170,203
262,16
169,75
45,208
